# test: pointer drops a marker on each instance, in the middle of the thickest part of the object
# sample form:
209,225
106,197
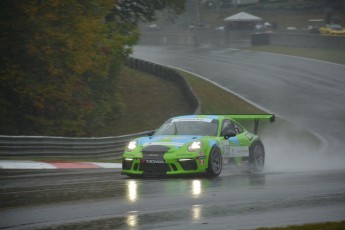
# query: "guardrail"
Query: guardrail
30,147
61,147
168,74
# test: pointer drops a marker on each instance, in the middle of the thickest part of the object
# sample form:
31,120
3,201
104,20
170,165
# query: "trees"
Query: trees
59,62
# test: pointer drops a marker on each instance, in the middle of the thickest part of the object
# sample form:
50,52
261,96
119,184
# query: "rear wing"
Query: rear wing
255,117
270,117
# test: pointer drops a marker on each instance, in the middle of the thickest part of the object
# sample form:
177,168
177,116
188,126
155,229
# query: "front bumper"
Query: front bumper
141,166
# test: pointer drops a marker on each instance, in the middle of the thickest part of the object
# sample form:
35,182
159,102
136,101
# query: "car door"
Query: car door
237,146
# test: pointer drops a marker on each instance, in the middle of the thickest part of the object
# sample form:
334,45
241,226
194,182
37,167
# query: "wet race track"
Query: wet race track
303,182
102,199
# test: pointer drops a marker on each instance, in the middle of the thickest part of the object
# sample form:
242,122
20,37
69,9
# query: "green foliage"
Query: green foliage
59,63
143,10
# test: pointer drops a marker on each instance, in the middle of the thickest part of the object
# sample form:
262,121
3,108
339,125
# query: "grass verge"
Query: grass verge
318,226
330,55
148,101
215,100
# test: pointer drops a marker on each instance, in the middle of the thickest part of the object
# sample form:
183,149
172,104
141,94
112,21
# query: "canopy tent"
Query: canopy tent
243,17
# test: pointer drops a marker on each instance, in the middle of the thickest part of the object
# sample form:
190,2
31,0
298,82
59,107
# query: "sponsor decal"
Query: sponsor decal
249,136
201,162
184,155
239,151
192,119
202,157
164,143
201,153
154,161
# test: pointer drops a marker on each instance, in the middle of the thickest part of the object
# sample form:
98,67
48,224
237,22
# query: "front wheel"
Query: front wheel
257,157
215,163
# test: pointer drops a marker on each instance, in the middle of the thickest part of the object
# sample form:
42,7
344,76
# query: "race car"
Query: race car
196,144
332,29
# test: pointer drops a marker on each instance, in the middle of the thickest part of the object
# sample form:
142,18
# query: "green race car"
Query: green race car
196,144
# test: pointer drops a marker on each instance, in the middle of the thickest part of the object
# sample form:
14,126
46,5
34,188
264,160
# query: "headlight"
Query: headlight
132,145
194,146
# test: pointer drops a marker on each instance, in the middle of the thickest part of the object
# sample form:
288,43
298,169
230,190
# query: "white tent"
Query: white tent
242,17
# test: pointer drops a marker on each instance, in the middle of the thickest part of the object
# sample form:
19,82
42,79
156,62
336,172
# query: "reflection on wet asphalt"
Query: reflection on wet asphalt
103,199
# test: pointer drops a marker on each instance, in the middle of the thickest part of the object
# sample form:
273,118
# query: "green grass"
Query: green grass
330,55
318,226
215,100
148,101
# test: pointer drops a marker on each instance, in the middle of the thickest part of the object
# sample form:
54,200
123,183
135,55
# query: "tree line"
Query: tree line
60,61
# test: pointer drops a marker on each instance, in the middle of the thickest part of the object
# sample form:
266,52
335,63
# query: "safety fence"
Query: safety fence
43,147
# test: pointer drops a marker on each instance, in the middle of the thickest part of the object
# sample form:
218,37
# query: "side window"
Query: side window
238,128
227,125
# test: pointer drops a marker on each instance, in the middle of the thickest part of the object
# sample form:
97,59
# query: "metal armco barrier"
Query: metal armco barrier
22,147
168,74
28,147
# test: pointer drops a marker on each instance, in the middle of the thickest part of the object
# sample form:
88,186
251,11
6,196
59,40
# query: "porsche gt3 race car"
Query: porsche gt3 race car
196,144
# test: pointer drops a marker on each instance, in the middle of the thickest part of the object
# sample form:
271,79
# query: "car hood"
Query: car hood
171,141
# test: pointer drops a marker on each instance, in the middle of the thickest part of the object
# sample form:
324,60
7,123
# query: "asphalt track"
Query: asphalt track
303,182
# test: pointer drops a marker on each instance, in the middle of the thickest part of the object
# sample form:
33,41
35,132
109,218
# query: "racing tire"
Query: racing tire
215,163
256,157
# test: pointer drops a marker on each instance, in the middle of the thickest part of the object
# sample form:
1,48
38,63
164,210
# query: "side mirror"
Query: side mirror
229,133
151,133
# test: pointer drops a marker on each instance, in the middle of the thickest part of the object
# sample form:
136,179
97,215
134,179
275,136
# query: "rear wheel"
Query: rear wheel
257,157
214,162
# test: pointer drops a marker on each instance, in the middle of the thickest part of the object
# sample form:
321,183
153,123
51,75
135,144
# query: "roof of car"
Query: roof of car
199,116
270,117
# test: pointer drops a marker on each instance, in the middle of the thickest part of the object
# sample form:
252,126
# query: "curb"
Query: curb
13,164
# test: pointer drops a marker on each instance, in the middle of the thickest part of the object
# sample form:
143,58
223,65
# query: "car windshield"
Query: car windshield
189,127
335,27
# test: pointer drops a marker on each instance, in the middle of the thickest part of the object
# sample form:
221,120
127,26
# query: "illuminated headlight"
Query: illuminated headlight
194,146
132,145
